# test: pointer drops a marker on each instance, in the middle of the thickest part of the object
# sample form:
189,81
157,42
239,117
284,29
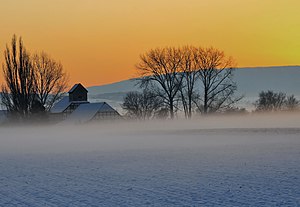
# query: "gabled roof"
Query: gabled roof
106,108
60,106
75,86
86,112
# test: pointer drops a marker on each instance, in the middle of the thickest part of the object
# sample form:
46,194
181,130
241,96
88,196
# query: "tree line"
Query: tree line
276,101
32,83
188,79
192,80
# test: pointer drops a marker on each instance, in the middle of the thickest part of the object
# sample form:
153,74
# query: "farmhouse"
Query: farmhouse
77,108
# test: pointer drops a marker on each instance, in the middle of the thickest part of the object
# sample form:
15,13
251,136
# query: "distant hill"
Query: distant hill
122,86
250,82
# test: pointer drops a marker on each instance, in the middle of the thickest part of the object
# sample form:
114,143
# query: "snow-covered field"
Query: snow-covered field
237,161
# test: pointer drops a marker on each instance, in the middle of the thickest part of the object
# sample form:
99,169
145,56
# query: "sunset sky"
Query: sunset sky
99,41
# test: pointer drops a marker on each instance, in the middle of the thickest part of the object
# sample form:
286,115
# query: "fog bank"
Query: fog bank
167,134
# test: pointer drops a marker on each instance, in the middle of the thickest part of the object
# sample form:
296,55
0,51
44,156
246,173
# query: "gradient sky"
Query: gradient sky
99,41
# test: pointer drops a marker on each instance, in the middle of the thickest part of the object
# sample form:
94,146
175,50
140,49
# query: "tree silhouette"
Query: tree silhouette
142,105
275,101
51,80
189,72
159,69
173,74
32,83
216,79
18,92
291,103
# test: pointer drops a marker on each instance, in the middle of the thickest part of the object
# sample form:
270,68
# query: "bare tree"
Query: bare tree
18,92
291,103
160,68
189,72
275,101
216,78
51,80
270,101
131,104
142,105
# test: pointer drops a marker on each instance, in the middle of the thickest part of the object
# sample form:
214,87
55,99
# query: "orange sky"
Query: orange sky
99,41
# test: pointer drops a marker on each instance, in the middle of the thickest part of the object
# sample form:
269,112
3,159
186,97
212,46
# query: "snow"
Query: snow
60,106
85,112
205,162
106,108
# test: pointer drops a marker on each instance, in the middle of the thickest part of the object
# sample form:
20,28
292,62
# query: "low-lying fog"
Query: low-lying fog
251,160
214,130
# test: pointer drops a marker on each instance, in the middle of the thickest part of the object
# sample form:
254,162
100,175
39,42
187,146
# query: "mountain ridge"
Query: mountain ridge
239,75
250,81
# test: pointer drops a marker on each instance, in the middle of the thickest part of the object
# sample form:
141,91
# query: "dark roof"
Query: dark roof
63,104
60,106
75,86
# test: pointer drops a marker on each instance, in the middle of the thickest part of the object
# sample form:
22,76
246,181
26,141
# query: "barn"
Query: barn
76,108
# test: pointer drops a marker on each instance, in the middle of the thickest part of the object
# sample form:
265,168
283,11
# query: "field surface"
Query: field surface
155,166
